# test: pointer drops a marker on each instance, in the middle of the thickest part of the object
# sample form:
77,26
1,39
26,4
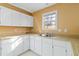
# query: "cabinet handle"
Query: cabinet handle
65,50
52,46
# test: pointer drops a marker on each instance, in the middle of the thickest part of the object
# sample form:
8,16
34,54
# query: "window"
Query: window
49,20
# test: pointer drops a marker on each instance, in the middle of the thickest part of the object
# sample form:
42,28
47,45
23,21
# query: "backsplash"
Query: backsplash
7,30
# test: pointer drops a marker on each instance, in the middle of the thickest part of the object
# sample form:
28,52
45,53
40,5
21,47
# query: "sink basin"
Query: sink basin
42,34
46,35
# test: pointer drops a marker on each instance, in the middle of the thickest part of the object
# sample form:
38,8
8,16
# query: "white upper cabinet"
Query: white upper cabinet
10,17
5,17
27,21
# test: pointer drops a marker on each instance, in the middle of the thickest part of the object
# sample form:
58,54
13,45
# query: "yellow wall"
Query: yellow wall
68,16
8,30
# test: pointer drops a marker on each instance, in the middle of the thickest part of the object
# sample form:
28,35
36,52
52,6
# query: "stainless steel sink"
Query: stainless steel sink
46,35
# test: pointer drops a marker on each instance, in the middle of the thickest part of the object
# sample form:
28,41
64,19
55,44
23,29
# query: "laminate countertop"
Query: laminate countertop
34,34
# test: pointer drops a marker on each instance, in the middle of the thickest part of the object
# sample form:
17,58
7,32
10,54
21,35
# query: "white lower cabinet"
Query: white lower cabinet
62,48
22,45
54,47
0,49
59,48
38,45
6,47
26,42
15,45
35,44
59,51
32,42
46,46
69,49
18,46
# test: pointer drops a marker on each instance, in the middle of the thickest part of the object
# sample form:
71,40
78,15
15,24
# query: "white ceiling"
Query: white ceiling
32,7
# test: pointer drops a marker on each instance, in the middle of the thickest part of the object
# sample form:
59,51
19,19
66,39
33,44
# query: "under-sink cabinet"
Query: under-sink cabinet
36,44
46,46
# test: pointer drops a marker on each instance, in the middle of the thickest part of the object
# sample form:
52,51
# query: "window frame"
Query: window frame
56,12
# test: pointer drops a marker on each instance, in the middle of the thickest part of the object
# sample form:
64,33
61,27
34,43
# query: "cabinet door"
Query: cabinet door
62,48
0,15
26,20
20,19
9,17
15,18
0,48
32,42
25,42
6,19
38,45
29,21
23,20
17,46
59,48
69,49
59,51
46,47
6,48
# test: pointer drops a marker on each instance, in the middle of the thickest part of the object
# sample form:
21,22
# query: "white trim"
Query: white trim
50,13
